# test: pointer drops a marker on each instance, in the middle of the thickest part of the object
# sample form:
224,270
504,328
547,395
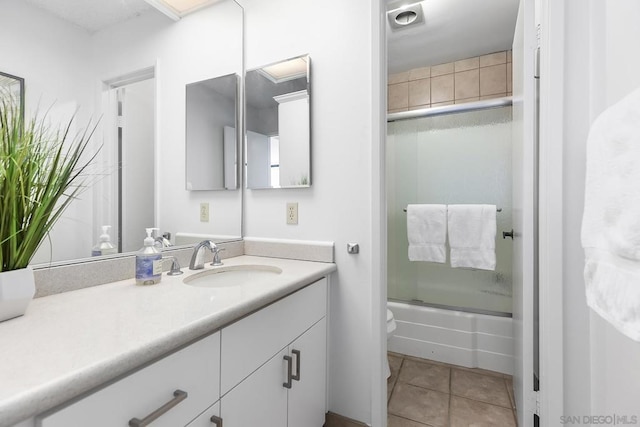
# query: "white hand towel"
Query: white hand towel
611,221
427,232
472,236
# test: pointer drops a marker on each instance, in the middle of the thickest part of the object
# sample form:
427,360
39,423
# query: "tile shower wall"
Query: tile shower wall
467,80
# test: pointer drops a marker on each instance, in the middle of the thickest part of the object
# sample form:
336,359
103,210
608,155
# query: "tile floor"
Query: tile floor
423,393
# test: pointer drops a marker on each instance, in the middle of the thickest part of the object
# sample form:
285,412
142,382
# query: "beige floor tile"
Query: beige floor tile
393,421
509,384
426,375
420,404
395,363
465,413
484,388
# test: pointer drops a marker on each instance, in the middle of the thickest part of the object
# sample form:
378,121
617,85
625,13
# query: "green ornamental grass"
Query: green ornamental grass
41,173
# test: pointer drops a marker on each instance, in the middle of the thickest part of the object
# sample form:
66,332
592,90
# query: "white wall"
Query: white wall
577,386
337,36
49,54
601,366
293,127
198,47
208,112
615,358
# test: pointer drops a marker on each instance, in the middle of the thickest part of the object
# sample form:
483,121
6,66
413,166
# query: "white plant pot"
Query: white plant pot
17,288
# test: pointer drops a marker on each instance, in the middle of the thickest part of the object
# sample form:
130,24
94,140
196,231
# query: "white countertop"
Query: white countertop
70,343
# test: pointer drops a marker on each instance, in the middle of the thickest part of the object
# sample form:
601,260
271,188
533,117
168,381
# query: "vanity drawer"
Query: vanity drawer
252,341
194,370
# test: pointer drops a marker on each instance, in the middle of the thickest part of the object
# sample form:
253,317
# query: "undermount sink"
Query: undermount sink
234,275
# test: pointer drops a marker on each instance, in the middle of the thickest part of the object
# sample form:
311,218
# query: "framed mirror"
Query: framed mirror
212,134
127,64
12,86
278,124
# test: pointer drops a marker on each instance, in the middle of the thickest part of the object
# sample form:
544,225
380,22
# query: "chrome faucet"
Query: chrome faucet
196,261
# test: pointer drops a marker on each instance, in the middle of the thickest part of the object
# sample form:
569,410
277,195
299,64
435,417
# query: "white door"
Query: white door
524,206
307,394
259,400
137,162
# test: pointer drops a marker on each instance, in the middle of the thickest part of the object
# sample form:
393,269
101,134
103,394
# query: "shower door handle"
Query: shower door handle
506,234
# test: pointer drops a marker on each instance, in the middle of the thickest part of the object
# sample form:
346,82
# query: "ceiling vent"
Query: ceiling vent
406,16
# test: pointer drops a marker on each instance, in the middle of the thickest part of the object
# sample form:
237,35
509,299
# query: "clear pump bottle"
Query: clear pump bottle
148,262
104,245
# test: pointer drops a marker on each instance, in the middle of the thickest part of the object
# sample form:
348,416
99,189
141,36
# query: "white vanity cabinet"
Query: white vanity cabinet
274,364
176,388
268,368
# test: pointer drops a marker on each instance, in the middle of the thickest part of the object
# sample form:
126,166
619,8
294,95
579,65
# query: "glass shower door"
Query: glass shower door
458,158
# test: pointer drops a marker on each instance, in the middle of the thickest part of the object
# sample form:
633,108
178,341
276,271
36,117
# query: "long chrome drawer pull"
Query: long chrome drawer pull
216,420
297,375
289,368
178,396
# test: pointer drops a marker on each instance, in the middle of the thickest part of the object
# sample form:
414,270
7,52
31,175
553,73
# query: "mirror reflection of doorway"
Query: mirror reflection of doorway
131,142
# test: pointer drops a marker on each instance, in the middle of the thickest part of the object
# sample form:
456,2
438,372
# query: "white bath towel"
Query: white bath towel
427,232
472,236
611,221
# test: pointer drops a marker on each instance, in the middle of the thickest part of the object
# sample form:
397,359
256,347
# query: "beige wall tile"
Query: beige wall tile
466,64
467,84
397,110
398,78
442,88
398,96
509,55
493,59
419,92
493,79
441,69
441,104
420,73
497,95
419,107
465,100
509,76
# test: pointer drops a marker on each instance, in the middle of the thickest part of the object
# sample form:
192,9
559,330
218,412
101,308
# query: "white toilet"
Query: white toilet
391,326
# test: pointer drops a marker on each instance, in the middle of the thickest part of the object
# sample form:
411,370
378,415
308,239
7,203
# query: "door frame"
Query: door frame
552,25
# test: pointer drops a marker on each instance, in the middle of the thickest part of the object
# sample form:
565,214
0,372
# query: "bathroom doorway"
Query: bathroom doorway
461,72
130,141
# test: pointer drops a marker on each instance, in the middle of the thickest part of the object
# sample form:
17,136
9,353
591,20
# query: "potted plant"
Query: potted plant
41,173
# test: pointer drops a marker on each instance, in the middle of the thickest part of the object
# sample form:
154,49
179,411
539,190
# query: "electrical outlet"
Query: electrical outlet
204,212
292,213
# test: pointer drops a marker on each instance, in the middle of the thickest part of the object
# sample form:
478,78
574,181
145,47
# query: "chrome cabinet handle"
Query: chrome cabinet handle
289,368
297,375
216,420
178,396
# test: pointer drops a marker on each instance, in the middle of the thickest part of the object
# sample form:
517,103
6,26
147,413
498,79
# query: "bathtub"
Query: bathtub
460,338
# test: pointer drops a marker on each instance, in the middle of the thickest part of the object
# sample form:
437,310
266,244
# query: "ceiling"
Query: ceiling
452,30
93,15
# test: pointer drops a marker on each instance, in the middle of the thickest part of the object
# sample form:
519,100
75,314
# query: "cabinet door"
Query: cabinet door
307,397
259,400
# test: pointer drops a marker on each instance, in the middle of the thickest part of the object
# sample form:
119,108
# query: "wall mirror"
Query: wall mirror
126,64
212,134
13,87
278,125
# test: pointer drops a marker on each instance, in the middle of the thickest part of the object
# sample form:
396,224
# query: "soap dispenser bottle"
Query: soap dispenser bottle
104,245
148,262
